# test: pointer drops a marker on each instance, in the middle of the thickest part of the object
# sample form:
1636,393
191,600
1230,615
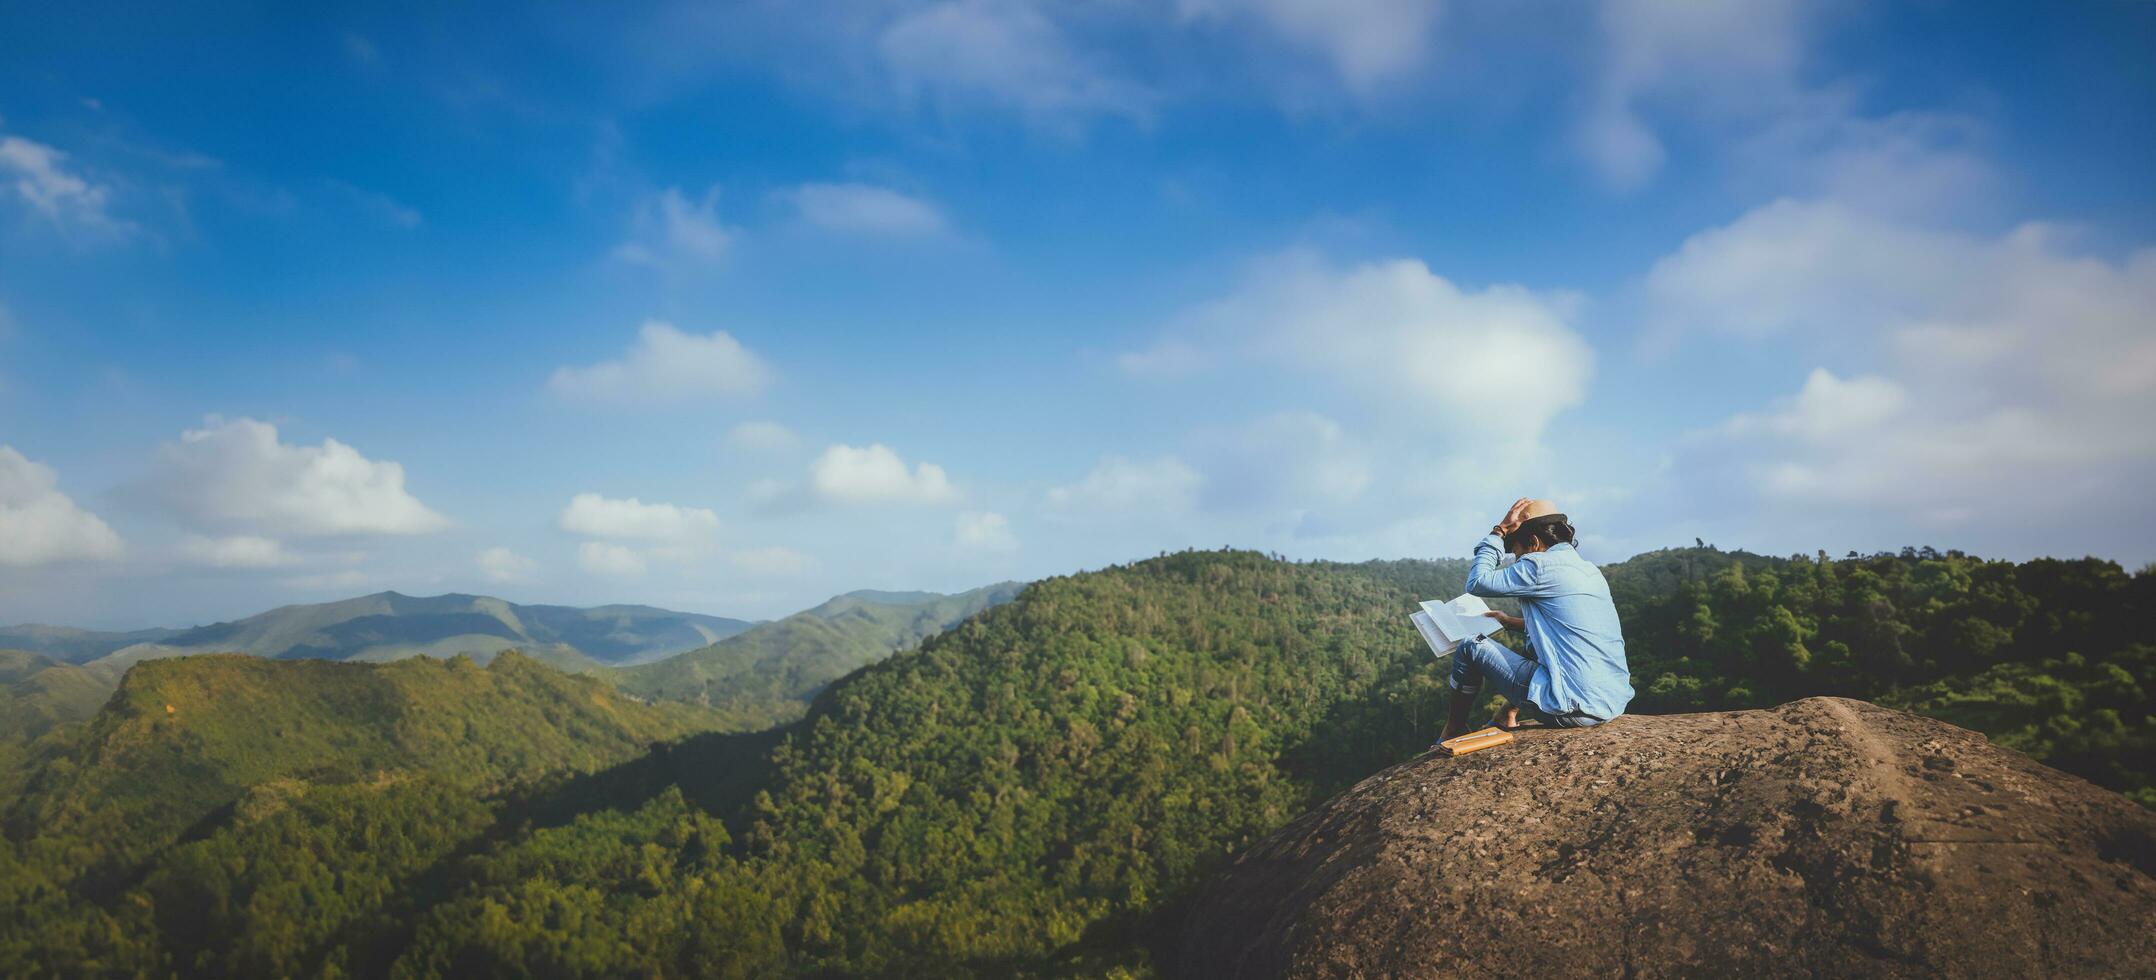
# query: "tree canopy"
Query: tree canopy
1034,791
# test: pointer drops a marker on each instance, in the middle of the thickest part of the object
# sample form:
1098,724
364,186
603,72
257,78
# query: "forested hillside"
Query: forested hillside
62,674
1038,790
752,675
766,675
38,693
230,801
1033,788
2051,657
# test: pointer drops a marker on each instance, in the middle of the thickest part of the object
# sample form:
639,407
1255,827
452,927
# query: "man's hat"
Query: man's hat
1539,514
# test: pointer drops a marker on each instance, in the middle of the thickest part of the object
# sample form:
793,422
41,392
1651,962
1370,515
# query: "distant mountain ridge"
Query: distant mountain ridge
768,674
70,645
39,693
756,674
390,626
887,598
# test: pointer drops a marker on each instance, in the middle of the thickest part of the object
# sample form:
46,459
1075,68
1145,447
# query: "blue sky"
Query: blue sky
715,307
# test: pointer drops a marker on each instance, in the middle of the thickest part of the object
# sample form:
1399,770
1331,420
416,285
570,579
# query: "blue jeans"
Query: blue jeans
1477,660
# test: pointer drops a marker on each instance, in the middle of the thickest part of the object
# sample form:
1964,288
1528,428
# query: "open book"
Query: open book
1444,624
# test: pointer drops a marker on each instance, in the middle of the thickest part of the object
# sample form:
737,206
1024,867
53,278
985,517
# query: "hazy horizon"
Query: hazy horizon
508,595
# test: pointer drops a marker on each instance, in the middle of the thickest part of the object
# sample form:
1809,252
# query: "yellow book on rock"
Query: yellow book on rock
1488,738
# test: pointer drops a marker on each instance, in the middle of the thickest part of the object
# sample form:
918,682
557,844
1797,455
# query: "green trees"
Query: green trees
227,815
2086,716
766,675
1035,791
1045,780
643,893
38,694
305,879
2049,656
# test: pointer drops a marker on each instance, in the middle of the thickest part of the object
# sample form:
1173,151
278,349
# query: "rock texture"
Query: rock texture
1826,837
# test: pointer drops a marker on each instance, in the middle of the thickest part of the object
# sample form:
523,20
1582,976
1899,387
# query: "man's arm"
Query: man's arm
1508,622
1487,580
1527,648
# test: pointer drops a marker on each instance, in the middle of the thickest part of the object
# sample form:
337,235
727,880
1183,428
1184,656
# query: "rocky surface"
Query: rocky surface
1825,837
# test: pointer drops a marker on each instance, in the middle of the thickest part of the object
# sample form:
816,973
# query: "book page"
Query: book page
1431,634
1475,614
1461,619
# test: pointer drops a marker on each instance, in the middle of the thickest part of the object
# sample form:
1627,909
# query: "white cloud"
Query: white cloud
768,493
236,475
773,562
864,209
1167,358
1621,146
1368,41
1719,58
606,558
669,231
762,437
1907,164
594,516
39,525
848,474
1760,275
500,564
2005,376
1296,460
1442,357
343,581
667,365
1827,408
985,531
1736,71
1005,54
75,206
235,551
1120,485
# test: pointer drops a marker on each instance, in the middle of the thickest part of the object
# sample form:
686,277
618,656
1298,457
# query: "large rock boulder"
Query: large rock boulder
1826,837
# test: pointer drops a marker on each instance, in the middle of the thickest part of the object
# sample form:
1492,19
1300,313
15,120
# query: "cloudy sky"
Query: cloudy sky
715,307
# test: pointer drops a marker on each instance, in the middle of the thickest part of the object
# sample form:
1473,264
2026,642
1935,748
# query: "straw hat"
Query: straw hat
1540,508
1535,514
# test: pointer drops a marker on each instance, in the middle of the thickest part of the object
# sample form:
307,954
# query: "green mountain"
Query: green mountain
767,674
757,675
183,736
374,771
389,626
1039,790
70,645
38,694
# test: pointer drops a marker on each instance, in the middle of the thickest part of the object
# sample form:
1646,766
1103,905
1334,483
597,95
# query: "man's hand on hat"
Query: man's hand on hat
1514,517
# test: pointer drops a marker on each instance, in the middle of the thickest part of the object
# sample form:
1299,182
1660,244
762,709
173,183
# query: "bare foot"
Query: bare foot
1509,720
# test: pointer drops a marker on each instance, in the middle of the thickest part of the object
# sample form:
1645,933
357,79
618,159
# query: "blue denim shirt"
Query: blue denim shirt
1571,624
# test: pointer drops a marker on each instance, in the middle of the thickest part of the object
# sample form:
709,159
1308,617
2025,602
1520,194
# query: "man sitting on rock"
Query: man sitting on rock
1574,674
